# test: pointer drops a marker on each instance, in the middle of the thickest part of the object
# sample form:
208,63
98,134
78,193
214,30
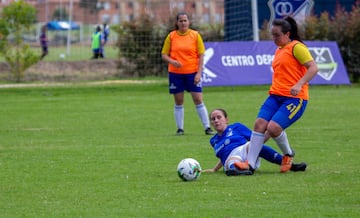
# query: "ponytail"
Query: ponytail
288,24
294,33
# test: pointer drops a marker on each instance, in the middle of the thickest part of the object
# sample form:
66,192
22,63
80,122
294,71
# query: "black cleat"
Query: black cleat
209,131
237,172
180,132
298,167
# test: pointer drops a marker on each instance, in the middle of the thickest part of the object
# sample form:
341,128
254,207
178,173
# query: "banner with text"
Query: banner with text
249,63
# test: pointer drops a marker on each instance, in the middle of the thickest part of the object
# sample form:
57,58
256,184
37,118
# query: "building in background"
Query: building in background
234,14
117,11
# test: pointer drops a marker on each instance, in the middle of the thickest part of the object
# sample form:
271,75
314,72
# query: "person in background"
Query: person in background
106,33
97,42
293,68
44,42
183,50
231,144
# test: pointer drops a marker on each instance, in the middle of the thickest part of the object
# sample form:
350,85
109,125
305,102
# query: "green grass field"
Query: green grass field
77,52
111,151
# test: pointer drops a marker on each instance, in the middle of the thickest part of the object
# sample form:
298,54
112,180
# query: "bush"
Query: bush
15,19
344,28
140,44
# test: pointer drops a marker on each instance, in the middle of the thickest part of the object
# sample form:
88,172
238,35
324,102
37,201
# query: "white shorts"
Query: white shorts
239,154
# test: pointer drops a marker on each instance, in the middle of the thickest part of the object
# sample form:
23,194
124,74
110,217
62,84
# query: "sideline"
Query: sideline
108,82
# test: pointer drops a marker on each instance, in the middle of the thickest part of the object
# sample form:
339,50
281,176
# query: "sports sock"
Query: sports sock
269,154
283,143
203,114
256,143
179,116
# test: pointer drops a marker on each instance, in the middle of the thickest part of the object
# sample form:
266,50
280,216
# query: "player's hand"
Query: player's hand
176,63
295,90
197,78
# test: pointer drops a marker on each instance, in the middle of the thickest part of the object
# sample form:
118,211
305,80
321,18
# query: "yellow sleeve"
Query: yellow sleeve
302,53
166,46
200,45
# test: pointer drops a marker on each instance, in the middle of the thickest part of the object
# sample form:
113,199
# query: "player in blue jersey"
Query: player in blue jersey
231,144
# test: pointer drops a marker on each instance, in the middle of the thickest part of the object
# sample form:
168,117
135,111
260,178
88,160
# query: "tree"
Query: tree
15,19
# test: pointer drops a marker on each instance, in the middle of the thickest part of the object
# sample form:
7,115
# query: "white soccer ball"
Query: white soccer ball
189,169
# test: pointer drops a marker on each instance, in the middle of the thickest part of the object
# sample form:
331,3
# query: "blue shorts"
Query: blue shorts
181,82
282,110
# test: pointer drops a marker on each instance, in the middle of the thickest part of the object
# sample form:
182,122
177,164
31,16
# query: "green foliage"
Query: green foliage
17,18
111,151
318,28
212,32
344,28
140,44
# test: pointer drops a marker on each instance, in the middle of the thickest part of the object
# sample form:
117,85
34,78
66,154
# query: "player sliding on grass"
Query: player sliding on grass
293,68
231,144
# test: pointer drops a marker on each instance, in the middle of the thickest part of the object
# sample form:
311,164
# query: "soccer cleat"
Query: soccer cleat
209,131
286,163
180,132
242,165
298,167
237,172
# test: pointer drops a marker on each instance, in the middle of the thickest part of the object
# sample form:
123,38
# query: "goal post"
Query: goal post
241,20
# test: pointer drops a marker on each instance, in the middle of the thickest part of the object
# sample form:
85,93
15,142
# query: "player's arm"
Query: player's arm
303,55
165,53
312,69
201,52
214,169
200,69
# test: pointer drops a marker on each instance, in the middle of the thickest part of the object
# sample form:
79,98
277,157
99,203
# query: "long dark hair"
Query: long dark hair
288,24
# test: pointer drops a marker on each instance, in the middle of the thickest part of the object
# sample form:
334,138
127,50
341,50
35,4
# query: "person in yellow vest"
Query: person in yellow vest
97,42
183,50
293,68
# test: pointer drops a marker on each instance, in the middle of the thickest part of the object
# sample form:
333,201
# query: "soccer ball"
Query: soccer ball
189,169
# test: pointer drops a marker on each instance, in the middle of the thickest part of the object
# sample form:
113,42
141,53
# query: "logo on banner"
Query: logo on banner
325,61
208,75
298,9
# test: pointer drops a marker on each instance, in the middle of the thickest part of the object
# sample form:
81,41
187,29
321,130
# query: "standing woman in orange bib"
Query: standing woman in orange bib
184,50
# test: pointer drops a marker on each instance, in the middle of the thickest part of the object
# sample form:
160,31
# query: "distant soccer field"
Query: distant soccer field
110,150
76,52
